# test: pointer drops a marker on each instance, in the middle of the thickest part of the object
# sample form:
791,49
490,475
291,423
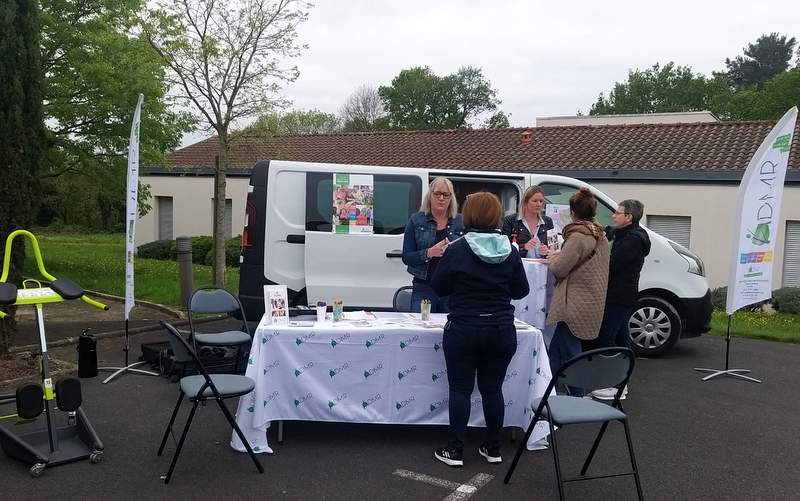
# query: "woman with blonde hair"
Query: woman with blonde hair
530,226
426,237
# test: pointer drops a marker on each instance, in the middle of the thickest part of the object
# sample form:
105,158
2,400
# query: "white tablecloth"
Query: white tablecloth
387,370
532,309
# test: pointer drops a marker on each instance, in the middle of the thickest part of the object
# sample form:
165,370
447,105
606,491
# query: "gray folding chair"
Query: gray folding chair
210,299
402,299
201,388
591,370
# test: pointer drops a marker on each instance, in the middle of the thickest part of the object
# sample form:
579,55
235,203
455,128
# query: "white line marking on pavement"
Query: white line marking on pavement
461,492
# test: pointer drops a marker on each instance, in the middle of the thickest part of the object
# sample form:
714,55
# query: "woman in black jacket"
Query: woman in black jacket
530,230
480,273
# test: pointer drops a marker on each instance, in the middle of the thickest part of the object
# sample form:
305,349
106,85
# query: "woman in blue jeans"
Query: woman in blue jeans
426,237
480,273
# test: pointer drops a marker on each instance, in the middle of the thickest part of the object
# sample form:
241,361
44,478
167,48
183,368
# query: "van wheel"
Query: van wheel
654,327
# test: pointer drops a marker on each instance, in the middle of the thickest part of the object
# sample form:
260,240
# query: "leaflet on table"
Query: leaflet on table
276,303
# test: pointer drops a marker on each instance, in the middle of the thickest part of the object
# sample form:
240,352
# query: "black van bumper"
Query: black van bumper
697,315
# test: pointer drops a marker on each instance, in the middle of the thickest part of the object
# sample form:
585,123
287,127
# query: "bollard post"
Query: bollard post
183,248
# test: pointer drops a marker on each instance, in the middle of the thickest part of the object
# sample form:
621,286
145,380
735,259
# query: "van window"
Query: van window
560,194
397,197
507,192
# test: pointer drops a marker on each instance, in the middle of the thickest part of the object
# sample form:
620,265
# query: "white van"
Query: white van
288,239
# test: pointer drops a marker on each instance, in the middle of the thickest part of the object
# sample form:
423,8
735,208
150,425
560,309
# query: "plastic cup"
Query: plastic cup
337,311
321,313
425,309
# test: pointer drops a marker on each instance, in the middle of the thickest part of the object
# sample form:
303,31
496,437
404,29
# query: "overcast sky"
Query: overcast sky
544,58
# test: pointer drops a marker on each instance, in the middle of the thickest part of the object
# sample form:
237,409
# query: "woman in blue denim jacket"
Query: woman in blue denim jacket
426,238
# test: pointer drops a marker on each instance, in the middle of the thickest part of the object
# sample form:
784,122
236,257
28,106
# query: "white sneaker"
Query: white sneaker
609,393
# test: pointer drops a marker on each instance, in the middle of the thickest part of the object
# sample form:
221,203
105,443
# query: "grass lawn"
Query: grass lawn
97,262
778,327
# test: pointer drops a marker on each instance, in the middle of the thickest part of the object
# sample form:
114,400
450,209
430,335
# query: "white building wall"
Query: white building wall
712,208
192,205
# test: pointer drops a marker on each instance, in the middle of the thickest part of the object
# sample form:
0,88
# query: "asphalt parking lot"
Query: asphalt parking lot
725,439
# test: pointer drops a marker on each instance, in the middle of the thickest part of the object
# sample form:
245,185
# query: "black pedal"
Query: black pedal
68,394
30,401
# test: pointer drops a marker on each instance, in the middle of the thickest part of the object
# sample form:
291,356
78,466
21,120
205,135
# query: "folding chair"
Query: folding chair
201,388
210,299
591,370
402,299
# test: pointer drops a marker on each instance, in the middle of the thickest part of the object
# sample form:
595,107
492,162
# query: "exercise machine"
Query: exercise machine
55,445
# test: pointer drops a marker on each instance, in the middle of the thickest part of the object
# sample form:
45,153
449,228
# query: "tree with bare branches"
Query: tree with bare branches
363,111
227,61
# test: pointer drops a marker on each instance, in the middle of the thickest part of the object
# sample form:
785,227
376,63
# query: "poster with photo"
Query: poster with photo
559,213
353,202
276,304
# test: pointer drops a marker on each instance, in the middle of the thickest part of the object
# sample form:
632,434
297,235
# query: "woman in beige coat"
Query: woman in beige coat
581,271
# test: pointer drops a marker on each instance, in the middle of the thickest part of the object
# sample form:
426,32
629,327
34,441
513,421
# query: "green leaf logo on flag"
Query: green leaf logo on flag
761,235
782,143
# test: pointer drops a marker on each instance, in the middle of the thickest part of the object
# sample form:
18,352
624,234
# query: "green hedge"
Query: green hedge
784,300
201,250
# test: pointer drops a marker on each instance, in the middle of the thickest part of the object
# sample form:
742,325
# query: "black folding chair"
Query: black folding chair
210,299
402,299
200,388
591,370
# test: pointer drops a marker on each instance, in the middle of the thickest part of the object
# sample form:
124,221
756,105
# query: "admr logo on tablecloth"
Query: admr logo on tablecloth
301,400
408,342
338,398
405,372
373,370
338,370
272,365
337,340
371,400
304,339
401,404
266,338
437,346
475,403
509,404
438,375
272,396
439,404
510,375
302,369
373,341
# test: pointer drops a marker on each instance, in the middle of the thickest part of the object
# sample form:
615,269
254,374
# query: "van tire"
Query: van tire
654,326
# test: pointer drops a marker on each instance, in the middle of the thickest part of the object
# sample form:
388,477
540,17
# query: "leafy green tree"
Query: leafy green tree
661,89
363,111
770,102
227,62
22,138
95,66
420,99
762,60
498,121
294,122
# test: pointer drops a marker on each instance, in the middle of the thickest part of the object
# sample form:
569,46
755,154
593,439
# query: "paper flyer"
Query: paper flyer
276,304
353,200
559,213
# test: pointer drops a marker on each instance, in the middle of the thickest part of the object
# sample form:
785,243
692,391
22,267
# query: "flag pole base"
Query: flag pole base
736,373
122,370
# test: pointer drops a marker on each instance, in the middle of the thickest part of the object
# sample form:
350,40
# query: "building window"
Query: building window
791,255
164,207
676,228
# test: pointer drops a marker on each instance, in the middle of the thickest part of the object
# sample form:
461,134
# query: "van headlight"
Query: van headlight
696,265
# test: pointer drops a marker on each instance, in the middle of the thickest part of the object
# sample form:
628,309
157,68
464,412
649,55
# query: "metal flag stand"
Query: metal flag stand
128,367
737,373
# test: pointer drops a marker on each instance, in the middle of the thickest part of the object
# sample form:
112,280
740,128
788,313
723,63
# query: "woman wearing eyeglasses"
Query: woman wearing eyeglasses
425,240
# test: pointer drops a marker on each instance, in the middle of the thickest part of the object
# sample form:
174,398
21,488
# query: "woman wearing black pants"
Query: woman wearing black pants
481,273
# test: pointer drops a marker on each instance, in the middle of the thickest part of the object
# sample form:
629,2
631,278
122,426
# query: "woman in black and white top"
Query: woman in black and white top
530,229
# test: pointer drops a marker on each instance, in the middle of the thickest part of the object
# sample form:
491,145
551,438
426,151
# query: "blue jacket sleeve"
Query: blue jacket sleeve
519,282
441,281
412,256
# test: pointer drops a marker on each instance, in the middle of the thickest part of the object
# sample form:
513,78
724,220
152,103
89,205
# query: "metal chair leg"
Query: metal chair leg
171,422
241,436
537,414
180,443
633,460
594,448
556,460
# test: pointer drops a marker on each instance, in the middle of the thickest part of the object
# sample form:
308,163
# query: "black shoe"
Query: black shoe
491,455
450,457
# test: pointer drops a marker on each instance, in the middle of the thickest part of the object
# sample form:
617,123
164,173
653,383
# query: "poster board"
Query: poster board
276,304
353,203
559,213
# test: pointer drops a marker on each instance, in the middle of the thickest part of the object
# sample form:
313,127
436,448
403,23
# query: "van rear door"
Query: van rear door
364,270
